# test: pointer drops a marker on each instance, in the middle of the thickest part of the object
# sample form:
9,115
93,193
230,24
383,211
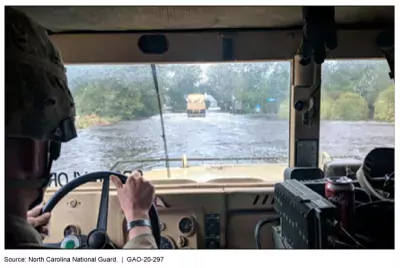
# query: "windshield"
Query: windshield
357,108
223,113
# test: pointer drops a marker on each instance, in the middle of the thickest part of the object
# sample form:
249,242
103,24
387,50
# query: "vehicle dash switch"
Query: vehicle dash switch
213,231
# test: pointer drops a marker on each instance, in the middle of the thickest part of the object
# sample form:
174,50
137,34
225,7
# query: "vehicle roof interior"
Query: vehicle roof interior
90,18
91,34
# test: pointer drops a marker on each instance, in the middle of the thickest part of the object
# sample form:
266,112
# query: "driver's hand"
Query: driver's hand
135,196
39,221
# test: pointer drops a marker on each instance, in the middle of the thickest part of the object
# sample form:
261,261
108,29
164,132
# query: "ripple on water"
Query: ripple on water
217,135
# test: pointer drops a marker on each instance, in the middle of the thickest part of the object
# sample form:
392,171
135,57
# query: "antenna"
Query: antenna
154,71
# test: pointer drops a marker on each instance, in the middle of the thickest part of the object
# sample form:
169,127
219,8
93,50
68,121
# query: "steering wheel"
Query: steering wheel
97,238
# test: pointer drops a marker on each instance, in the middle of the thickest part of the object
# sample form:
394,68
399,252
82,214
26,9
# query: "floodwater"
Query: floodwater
219,135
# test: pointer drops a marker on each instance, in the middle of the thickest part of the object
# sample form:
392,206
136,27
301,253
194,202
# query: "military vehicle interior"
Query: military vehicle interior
229,213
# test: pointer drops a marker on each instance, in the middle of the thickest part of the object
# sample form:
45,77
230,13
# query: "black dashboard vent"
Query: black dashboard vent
263,200
256,200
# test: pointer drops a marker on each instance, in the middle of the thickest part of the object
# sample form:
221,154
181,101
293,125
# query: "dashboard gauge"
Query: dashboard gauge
162,226
71,230
166,243
187,226
70,242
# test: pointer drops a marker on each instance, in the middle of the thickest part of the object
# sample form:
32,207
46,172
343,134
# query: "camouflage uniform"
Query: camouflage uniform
39,105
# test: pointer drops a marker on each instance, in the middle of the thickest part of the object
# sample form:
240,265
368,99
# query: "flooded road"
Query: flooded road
219,135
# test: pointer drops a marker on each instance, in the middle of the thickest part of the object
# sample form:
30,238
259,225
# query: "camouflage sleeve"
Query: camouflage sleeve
143,241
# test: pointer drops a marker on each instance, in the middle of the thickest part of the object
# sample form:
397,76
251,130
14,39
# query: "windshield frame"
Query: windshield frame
200,47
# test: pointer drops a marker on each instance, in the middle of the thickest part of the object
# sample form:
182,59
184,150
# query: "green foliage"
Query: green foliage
351,90
326,108
384,105
119,100
178,82
249,83
327,103
365,77
284,109
349,106
92,119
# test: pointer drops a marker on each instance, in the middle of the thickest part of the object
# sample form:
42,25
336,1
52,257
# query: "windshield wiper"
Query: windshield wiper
154,72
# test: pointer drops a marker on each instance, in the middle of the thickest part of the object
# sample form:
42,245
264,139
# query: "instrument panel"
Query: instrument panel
191,217
179,227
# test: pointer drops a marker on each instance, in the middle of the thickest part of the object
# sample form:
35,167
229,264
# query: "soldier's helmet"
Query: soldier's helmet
38,102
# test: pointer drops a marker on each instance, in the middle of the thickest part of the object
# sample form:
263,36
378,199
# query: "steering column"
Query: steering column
97,238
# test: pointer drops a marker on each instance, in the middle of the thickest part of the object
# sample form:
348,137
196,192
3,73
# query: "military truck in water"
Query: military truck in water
196,105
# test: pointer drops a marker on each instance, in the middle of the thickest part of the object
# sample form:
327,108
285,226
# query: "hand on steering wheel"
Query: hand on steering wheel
135,196
98,239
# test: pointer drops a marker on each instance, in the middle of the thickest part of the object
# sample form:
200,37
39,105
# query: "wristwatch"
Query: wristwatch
137,223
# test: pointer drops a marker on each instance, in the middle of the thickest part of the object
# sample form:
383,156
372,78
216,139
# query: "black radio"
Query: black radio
307,218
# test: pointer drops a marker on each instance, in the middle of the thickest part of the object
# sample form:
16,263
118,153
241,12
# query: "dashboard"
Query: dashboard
192,216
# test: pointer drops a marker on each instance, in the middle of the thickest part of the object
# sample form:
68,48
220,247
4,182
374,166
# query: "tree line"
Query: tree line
354,90
351,90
